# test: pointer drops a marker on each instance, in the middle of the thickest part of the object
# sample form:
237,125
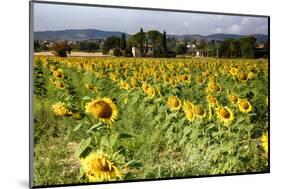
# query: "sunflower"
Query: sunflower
53,80
166,77
214,87
244,105
133,82
172,82
53,68
187,106
99,167
185,78
233,98
60,109
189,114
58,73
174,103
199,111
225,115
212,100
264,140
60,85
251,75
233,71
90,87
124,85
150,92
243,77
199,80
144,86
103,109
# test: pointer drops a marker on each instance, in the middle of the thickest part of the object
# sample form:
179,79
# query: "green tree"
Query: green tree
181,49
37,46
234,48
164,42
123,42
110,43
141,41
154,38
88,46
247,45
61,48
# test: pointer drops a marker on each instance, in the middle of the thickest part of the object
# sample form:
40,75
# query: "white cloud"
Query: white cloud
219,30
186,24
245,21
234,29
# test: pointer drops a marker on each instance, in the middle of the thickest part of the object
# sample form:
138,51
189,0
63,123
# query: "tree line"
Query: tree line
153,41
245,47
156,44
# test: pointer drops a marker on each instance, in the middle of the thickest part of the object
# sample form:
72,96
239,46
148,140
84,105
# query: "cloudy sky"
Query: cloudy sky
50,17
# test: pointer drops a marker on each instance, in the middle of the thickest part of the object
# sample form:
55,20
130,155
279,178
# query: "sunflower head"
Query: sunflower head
90,87
264,140
225,115
244,105
174,103
185,78
189,114
60,85
58,73
233,71
150,92
124,85
172,82
199,111
212,100
199,79
60,109
233,98
187,106
99,167
216,88
133,82
243,77
103,109
144,86
251,75
166,77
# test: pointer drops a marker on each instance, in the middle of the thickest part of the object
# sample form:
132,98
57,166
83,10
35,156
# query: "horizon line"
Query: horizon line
148,30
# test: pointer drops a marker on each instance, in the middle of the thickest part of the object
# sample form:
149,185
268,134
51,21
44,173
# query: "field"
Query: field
106,119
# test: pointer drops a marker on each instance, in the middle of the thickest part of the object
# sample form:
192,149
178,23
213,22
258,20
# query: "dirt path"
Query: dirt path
74,54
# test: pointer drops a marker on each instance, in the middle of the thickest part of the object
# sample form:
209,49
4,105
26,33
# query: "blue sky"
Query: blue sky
51,17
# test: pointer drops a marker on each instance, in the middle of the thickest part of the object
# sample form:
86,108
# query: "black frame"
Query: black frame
31,51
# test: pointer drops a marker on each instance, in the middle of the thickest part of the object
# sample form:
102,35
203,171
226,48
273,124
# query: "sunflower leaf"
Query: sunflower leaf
134,164
78,127
96,127
86,98
113,139
125,135
84,148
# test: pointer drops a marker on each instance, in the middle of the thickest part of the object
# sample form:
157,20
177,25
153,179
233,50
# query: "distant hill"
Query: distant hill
87,34
218,37
76,35
259,37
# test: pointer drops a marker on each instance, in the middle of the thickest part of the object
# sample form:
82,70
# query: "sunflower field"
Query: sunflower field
115,119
